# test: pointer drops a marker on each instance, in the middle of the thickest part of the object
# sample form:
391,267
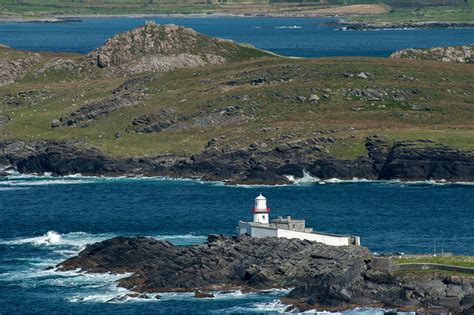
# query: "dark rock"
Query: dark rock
408,160
203,295
55,123
349,25
233,262
324,277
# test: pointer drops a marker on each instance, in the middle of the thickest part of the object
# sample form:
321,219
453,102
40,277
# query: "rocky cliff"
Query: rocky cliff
406,160
324,277
161,48
459,54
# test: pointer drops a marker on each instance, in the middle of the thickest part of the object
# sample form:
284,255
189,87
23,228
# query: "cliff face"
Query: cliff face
402,160
166,47
458,54
324,277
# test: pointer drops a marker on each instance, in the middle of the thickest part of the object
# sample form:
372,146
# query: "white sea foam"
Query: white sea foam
274,306
289,26
43,182
70,243
22,180
306,179
77,240
12,188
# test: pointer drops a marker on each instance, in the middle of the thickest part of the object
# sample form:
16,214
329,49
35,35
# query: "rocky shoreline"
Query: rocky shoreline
359,26
323,277
405,160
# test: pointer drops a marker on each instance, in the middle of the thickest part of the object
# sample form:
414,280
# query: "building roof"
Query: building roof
260,197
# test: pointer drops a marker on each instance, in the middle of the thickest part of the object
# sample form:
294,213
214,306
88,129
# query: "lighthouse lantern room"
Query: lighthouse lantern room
260,211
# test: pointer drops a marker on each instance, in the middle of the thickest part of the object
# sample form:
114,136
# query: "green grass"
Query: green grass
34,8
461,13
459,261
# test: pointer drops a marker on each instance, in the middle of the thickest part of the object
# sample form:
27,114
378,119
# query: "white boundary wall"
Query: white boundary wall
328,239
321,238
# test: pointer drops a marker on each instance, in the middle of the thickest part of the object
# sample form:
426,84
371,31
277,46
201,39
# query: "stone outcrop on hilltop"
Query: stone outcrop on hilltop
324,277
166,47
408,160
459,54
13,70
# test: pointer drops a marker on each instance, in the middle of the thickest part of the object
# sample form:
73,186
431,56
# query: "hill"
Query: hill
165,47
254,117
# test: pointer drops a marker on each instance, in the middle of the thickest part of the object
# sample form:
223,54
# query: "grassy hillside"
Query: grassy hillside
270,100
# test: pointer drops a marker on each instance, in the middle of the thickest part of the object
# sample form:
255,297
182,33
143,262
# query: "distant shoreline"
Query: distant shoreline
338,19
358,26
79,17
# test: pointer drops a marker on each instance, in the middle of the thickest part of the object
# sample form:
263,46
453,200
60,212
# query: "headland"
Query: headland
164,100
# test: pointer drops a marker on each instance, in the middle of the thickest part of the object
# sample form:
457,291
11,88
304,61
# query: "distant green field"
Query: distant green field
457,10
460,261
461,13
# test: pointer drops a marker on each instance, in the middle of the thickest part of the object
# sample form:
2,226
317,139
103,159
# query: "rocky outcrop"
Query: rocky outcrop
324,277
14,70
377,94
166,47
457,54
429,293
408,160
129,93
61,65
348,25
225,262
167,118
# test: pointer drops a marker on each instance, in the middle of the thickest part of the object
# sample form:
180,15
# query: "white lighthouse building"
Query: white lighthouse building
262,226
260,211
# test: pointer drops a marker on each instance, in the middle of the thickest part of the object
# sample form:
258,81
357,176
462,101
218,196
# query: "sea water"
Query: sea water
301,37
45,220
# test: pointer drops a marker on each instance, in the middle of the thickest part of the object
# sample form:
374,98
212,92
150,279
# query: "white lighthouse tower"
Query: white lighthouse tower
260,211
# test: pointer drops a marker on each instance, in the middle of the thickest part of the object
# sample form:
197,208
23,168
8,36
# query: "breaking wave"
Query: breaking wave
290,26
22,182
78,240
52,238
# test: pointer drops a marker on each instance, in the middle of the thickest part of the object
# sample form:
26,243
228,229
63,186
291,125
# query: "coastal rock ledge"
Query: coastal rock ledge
323,277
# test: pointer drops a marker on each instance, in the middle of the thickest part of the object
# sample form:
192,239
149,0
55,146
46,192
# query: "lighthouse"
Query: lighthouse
260,211
287,227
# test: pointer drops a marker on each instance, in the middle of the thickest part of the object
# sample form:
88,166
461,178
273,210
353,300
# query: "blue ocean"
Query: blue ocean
301,37
44,220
